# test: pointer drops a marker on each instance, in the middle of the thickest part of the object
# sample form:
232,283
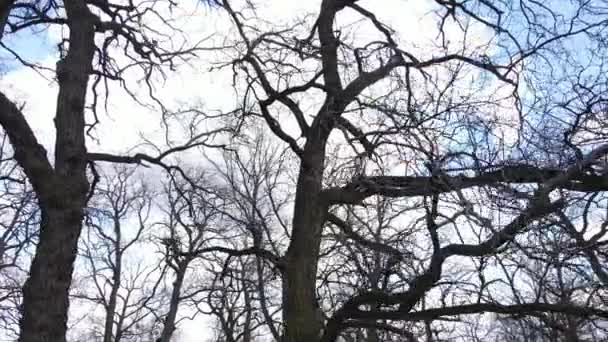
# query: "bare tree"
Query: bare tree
563,285
408,189
106,40
253,182
189,225
113,276
230,302
18,234
395,104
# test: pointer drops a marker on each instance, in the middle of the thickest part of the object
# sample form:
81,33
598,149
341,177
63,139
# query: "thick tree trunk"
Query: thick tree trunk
45,294
302,322
301,317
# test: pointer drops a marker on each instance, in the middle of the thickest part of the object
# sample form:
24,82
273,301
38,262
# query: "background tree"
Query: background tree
112,276
190,224
252,181
18,234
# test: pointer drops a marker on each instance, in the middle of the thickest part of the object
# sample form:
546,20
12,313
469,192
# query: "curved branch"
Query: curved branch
30,155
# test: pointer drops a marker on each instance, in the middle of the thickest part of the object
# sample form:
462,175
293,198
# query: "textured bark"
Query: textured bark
301,268
301,318
310,209
409,186
45,293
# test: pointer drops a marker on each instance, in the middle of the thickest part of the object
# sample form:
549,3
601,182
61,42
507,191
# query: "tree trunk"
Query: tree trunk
45,293
301,317
247,326
262,298
570,330
45,303
111,308
169,324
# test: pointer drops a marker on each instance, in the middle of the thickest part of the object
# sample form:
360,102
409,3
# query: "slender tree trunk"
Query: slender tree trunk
284,296
247,336
111,309
262,298
169,324
45,293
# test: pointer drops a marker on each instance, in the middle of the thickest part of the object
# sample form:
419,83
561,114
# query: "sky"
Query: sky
125,124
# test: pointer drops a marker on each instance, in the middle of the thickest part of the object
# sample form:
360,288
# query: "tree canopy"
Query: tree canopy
335,171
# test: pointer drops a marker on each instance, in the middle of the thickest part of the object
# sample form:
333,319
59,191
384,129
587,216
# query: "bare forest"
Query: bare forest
294,171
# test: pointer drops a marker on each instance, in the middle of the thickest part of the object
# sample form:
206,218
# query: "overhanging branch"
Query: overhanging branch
517,309
409,186
30,155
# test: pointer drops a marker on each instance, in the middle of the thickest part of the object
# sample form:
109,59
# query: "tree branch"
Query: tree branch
409,186
517,309
30,155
